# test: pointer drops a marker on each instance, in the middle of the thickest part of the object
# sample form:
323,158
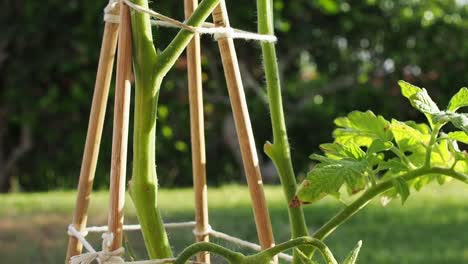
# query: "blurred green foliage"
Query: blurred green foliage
335,56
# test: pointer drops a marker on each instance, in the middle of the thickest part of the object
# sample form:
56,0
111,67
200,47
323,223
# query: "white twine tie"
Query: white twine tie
165,21
104,257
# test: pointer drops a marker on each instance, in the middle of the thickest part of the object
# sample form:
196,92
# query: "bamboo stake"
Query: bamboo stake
244,130
197,134
93,137
120,132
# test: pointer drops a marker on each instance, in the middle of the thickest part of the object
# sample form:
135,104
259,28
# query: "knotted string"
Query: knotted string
165,21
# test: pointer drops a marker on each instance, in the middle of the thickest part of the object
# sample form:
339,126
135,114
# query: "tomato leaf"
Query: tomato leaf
407,137
460,121
423,102
379,145
361,128
460,99
337,150
392,149
419,99
402,188
353,255
441,155
408,90
459,136
328,179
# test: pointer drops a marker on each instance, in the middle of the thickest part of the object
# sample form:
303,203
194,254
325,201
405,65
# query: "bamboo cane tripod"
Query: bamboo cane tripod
114,33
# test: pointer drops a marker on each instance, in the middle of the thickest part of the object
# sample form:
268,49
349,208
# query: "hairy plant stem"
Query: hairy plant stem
374,191
434,134
149,70
262,257
192,250
279,151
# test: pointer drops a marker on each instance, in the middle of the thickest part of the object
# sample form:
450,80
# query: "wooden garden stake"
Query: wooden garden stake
120,132
93,137
197,134
244,130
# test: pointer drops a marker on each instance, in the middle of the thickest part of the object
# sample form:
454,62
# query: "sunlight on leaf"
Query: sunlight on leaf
408,137
369,150
408,90
362,128
459,136
379,145
460,99
423,102
460,121
328,179
441,155
337,150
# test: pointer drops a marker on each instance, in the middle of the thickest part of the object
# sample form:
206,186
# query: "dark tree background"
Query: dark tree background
335,56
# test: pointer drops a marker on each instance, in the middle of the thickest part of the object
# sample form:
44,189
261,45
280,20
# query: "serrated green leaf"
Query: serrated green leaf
441,155
419,99
353,255
408,90
319,183
394,167
375,159
423,102
338,151
328,179
407,137
460,121
459,136
402,188
379,145
361,128
322,159
421,127
460,99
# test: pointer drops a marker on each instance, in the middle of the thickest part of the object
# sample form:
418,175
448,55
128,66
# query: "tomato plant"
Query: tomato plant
370,154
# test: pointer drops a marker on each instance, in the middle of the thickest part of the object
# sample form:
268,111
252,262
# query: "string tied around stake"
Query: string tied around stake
115,255
104,256
165,21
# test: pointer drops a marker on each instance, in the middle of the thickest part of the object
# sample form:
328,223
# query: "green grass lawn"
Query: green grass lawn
431,228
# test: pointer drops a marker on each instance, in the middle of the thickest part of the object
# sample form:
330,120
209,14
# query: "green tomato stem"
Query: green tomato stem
376,190
169,56
279,151
262,257
232,256
432,142
302,241
149,70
